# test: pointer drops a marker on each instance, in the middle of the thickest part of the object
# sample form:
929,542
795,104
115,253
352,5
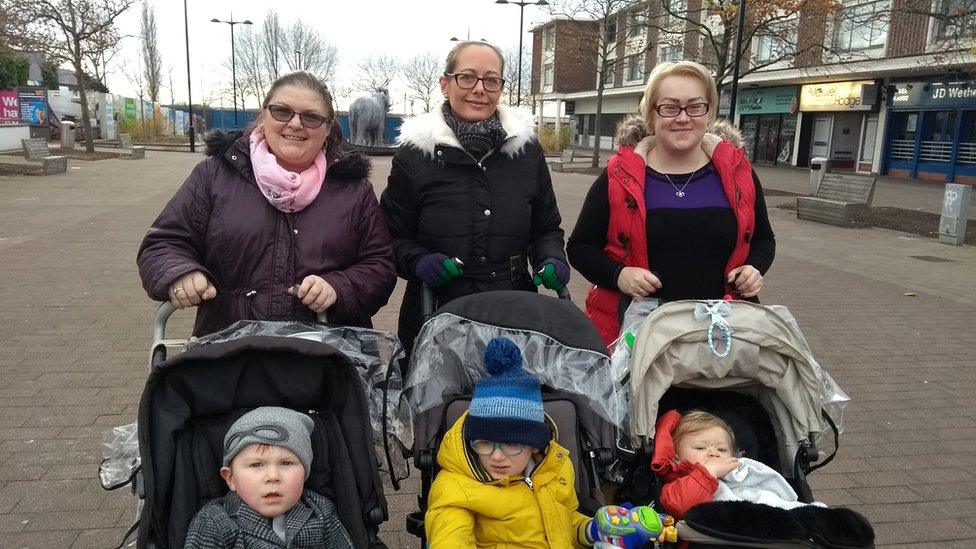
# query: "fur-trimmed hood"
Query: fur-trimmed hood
632,132
341,166
426,131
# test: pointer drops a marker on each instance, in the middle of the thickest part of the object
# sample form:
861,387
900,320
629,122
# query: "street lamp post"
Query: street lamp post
737,59
189,87
521,5
233,58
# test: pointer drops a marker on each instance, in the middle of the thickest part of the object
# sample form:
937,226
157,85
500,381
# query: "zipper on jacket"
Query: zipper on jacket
528,482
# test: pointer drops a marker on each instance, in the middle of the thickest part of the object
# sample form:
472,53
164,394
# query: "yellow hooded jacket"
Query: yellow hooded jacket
469,509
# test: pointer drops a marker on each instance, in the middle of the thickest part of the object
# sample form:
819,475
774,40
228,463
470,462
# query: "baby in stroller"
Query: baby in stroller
267,459
504,477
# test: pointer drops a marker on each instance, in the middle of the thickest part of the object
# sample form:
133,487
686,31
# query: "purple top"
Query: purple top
703,190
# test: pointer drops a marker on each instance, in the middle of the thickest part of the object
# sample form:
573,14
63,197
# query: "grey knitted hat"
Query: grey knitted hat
271,425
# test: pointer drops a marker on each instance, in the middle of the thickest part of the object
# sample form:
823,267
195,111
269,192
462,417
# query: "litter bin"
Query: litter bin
818,167
67,134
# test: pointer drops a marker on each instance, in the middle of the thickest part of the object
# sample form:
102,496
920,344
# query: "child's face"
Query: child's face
268,478
701,445
500,466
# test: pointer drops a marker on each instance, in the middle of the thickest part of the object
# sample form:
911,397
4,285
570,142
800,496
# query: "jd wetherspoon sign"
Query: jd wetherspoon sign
838,96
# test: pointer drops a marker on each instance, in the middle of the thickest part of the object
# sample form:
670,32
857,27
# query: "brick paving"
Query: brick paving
894,330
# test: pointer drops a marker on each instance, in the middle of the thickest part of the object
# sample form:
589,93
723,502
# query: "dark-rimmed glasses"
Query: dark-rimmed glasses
487,447
284,114
467,81
670,110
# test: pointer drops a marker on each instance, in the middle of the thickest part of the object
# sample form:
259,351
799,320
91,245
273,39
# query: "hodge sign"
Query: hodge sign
838,96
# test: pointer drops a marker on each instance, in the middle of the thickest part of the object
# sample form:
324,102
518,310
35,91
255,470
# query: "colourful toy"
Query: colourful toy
619,526
669,534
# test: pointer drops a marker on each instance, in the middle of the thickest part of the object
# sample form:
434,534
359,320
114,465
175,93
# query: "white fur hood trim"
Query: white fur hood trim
428,130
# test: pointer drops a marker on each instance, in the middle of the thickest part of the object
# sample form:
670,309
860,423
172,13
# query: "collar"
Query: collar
429,130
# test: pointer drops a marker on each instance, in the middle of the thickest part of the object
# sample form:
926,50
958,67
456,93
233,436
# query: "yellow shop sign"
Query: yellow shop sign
839,96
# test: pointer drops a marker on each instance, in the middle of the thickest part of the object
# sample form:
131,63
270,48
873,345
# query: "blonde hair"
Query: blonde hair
677,68
697,421
451,62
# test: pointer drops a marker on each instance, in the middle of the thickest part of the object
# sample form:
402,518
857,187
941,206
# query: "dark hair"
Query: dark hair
308,81
451,63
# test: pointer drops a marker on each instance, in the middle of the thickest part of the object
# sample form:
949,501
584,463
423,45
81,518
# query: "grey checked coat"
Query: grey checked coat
228,522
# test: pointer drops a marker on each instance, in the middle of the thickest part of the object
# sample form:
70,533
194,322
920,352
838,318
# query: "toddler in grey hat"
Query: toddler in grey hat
267,457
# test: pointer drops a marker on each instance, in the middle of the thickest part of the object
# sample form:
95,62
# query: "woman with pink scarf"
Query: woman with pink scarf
275,224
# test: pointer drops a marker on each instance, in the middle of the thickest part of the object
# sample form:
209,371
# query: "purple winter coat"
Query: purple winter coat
218,222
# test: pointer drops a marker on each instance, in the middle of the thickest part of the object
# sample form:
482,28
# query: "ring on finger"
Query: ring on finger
177,291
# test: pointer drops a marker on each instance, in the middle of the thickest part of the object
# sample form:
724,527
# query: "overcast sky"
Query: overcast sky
358,28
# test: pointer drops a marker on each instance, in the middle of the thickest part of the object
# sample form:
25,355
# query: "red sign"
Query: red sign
9,107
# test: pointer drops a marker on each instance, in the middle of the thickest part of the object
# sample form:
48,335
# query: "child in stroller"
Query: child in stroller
749,365
267,458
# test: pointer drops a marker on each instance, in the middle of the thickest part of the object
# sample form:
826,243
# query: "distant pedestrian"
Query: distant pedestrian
470,203
276,224
678,213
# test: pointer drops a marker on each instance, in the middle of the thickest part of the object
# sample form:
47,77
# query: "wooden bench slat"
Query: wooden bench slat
840,200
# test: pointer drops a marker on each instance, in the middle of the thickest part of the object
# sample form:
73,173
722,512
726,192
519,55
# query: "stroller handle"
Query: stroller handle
428,301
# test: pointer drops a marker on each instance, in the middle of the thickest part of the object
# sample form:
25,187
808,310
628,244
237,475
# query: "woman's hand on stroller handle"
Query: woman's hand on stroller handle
191,289
637,282
315,292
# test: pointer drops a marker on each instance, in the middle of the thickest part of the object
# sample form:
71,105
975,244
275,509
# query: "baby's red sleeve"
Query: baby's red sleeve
685,492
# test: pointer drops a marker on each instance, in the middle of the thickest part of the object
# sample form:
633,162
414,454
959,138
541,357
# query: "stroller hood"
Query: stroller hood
769,358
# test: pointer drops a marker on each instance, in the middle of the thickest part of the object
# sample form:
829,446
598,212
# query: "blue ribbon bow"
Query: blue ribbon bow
715,312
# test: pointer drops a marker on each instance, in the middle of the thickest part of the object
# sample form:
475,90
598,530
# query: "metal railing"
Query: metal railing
935,151
902,149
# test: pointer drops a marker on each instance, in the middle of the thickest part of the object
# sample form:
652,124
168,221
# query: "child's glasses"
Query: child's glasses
487,447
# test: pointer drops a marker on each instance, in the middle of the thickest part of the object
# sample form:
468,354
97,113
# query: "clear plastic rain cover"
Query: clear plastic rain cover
373,351
447,360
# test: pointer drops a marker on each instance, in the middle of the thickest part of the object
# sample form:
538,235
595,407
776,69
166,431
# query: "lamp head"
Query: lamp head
215,20
247,22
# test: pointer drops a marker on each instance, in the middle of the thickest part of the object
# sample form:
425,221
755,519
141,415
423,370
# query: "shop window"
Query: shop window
956,18
862,24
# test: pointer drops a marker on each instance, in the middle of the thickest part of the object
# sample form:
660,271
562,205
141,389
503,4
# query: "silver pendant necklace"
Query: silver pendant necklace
680,193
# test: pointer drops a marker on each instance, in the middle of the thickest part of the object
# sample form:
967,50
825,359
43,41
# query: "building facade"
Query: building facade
876,86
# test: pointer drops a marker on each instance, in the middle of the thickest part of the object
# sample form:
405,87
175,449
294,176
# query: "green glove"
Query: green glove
547,277
452,269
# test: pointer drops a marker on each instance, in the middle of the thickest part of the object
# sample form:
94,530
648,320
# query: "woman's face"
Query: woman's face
475,104
294,145
681,134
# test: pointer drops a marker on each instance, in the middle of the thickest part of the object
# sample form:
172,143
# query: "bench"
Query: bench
841,200
36,150
128,150
564,160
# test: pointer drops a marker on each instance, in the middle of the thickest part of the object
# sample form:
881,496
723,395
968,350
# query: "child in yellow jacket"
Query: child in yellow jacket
504,480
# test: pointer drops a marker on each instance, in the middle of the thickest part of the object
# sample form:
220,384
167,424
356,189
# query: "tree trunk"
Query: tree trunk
86,132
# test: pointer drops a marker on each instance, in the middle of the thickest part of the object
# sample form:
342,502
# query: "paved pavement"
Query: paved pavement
889,314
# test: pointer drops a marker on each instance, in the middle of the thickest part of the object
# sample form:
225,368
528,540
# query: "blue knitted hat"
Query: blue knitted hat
507,405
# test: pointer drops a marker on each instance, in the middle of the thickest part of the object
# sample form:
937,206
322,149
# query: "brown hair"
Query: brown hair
697,421
451,63
678,68
302,79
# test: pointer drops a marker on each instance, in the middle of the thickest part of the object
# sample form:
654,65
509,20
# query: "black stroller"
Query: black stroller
191,399
751,366
560,346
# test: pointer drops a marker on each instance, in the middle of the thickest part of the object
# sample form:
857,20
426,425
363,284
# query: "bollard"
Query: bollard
819,166
955,213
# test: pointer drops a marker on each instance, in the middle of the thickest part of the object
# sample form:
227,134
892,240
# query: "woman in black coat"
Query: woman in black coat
470,204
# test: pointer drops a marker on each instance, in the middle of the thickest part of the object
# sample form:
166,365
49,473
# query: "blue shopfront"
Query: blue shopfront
931,131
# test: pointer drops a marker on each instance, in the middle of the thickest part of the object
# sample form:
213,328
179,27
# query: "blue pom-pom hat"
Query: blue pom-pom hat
507,405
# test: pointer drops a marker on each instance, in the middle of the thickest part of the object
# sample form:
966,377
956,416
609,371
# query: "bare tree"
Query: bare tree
601,54
71,31
152,65
251,65
377,72
511,75
305,50
272,44
421,73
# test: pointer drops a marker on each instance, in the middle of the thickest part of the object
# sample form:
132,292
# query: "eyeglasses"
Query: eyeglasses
469,81
670,110
282,113
487,447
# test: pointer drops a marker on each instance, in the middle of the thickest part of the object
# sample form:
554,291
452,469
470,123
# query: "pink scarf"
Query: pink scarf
286,190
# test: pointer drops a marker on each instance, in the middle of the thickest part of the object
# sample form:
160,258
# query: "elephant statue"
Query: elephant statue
367,119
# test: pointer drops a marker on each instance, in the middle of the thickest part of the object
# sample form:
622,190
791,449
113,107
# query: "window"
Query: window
608,73
956,18
634,67
676,9
775,40
610,29
547,74
638,22
669,53
862,24
549,38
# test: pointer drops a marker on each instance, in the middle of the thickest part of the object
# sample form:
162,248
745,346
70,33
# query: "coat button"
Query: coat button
483,260
233,157
295,231
559,455
493,275
562,481
439,153
487,212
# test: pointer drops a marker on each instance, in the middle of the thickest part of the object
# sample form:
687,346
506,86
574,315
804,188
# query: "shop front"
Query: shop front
839,121
932,131
767,117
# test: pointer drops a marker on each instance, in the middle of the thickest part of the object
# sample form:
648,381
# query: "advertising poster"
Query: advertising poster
130,109
9,107
33,107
